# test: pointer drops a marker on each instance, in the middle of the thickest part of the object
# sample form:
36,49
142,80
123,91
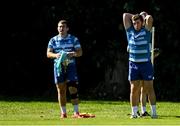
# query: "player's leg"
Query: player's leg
72,83
73,90
61,91
143,100
142,97
134,80
134,97
147,73
151,96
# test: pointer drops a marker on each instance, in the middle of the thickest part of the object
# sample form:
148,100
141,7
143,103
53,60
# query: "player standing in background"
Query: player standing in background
140,66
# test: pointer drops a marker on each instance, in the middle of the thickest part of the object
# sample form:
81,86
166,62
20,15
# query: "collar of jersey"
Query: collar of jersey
66,38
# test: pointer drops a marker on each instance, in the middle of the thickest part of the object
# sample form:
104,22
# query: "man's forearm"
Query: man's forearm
51,55
148,22
127,20
149,19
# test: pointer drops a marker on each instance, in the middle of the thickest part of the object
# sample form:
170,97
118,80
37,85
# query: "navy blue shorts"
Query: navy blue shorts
140,71
68,73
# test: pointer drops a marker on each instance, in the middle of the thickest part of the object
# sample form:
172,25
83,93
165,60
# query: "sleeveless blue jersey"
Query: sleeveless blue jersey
139,44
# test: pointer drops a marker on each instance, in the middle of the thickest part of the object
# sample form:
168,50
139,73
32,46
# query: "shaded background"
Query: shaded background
103,68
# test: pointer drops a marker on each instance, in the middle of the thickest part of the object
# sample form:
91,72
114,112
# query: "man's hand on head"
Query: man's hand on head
143,14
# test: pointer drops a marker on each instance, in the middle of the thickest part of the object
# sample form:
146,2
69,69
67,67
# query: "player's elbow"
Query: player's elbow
48,55
125,15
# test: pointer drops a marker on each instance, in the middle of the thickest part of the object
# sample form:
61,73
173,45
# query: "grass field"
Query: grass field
107,113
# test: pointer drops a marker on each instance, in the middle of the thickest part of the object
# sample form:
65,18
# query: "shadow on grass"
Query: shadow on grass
53,98
27,98
167,116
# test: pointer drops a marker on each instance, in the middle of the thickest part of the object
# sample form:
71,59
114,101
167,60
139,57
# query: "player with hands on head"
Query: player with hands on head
138,31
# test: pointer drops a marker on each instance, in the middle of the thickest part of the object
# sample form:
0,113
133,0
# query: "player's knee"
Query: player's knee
72,85
74,96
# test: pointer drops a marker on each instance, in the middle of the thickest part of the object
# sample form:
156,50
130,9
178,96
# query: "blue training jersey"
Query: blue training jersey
139,44
67,44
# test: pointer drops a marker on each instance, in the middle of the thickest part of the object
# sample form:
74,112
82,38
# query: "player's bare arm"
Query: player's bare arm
148,22
50,53
77,53
127,20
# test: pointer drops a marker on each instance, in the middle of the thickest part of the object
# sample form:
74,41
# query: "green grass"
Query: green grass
107,113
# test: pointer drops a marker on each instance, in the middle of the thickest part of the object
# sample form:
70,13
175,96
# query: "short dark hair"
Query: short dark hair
137,17
64,22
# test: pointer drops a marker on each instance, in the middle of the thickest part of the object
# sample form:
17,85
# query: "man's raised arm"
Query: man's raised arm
148,20
127,20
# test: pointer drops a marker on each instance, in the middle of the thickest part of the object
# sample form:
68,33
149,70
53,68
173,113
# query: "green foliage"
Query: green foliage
98,25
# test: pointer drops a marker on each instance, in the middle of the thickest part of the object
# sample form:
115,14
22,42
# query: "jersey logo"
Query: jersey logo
140,34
